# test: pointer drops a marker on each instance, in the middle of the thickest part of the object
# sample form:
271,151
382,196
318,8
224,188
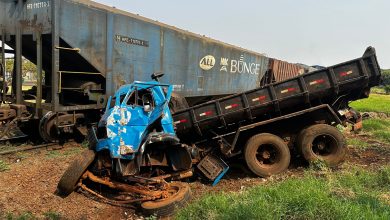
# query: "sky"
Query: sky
313,32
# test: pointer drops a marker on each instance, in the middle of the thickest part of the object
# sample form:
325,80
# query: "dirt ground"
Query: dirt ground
30,182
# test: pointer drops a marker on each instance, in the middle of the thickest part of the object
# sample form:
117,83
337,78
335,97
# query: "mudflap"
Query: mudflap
213,168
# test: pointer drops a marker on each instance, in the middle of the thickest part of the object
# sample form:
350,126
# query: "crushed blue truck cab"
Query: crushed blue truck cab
138,119
130,112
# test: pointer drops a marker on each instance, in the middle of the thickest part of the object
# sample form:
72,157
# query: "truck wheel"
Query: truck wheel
267,154
180,193
322,142
70,178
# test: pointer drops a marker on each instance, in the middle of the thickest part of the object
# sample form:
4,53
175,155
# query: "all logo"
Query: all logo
207,62
230,65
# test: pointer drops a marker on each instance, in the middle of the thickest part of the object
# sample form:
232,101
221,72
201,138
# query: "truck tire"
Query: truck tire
266,155
70,178
167,207
322,142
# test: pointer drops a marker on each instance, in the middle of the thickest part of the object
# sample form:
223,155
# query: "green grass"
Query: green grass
379,128
357,194
50,215
375,103
357,143
24,216
67,152
378,90
85,144
3,166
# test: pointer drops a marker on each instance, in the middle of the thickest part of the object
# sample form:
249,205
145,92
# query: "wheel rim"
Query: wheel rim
43,131
172,194
268,155
324,145
171,191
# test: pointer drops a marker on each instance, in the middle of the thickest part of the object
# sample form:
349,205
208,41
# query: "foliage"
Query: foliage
379,128
319,165
3,166
24,216
386,77
85,144
71,151
51,215
378,90
27,66
374,103
387,89
152,217
357,143
357,194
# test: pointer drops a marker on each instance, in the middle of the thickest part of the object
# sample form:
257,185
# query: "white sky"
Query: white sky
6,55
299,31
305,31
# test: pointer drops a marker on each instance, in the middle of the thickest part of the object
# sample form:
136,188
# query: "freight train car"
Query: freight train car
84,51
279,70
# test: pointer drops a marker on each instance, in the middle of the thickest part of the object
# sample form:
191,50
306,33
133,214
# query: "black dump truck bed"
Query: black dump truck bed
346,81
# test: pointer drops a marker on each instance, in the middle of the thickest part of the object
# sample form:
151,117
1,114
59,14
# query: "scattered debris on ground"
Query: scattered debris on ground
30,179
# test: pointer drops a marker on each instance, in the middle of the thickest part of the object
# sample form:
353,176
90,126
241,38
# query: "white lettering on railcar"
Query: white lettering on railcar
240,66
38,5
224,64
236,66
130,40
207,62
179,87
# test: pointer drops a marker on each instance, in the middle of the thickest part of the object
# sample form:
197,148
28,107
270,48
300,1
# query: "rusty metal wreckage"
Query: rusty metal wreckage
156,188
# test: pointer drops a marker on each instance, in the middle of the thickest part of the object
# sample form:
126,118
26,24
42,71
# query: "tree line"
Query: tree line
27,67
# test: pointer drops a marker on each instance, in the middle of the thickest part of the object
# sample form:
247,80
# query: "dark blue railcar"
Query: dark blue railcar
88,50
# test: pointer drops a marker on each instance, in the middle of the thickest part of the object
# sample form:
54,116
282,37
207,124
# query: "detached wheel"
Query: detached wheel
179,192
267,154
70,178
322,142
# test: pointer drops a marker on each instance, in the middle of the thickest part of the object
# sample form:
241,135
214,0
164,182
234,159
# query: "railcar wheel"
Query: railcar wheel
322,142
180,193
70,178
266,154
51,121
44,129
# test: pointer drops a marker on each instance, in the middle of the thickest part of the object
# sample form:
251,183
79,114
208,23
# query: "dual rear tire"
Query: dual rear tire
322,142
267,154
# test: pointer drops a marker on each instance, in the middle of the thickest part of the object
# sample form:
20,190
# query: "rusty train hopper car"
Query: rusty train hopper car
279,70
84,51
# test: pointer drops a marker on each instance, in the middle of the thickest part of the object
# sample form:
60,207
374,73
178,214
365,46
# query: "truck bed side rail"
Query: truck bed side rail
350,80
